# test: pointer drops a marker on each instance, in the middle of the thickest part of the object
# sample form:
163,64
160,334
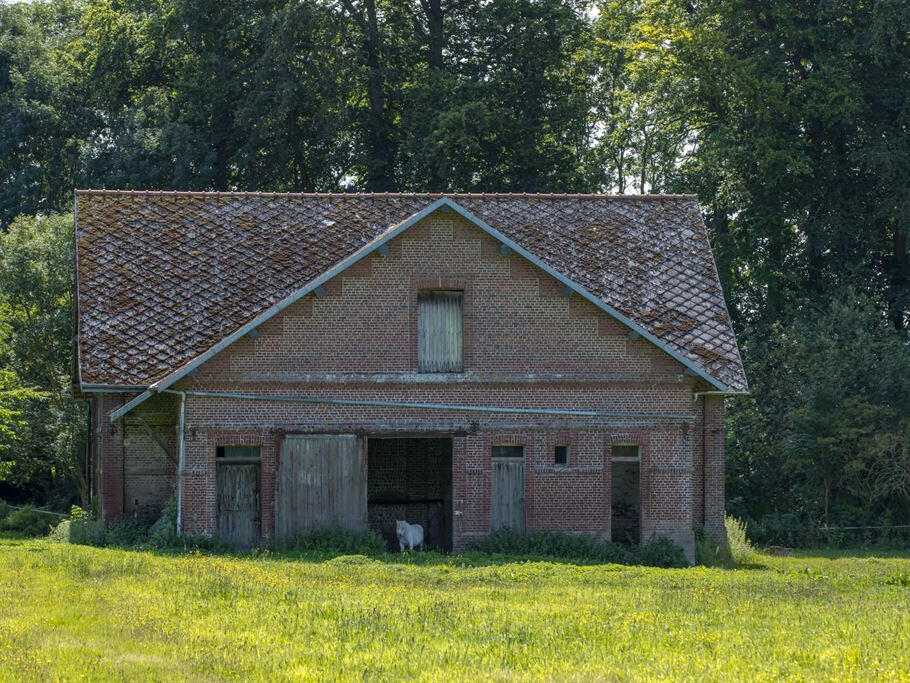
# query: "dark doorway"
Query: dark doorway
411,479
626,495
238,506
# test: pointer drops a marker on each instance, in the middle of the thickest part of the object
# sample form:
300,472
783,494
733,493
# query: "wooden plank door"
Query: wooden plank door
508,494
322,482
238,512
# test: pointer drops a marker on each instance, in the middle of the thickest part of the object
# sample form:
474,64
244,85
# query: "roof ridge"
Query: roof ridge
483,195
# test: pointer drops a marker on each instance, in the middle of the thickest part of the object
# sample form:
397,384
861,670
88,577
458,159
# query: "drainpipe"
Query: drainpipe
180,458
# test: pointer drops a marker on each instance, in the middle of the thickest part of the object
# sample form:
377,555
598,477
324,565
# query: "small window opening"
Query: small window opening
440,331
508,451
561,455
237,453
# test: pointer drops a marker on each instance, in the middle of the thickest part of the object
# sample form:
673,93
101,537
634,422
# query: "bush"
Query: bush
741,549
125,532
583,547
801,531
340,541
28,521
661,552
163,533
708,552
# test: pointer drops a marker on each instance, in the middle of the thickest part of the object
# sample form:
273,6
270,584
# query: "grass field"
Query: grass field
73,612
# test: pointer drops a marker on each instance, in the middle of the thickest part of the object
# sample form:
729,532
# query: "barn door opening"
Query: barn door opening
625,485
411,479
508,488
238,495
321,483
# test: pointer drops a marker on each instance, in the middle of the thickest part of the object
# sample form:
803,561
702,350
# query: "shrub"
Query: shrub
163,533
708,553
661,552
802,531
125,532
583,547
741,549
27,521
82,527
340,541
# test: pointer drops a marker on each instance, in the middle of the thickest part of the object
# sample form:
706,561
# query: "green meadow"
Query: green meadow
74,612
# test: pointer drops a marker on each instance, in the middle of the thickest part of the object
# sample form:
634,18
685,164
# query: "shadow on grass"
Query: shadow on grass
862,552
418,559
459,559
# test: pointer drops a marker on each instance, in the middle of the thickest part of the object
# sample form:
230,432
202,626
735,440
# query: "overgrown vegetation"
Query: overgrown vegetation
741,549
26,521
660,552
425,616
338,541
83,528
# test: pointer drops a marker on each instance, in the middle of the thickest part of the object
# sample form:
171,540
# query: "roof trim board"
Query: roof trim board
392,232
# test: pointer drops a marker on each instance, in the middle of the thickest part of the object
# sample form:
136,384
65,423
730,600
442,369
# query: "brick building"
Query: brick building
468,362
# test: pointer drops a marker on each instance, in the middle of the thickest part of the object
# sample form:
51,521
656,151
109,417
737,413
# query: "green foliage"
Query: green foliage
339,541
199,616
163,533
740,548
125,532
800,532
42,430
79,530
708,553
28,521
659,552
899,579
826,434
580,547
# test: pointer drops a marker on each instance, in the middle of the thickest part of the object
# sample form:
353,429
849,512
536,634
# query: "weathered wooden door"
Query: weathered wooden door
322,482
508,489
238,503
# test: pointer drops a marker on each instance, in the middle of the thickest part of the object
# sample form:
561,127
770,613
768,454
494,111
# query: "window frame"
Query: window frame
222,457
520,447
568,455
423,365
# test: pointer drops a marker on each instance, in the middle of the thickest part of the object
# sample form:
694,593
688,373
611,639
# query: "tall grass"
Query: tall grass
660,552
82,613
741,549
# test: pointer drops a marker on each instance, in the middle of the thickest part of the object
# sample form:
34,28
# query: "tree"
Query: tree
43,429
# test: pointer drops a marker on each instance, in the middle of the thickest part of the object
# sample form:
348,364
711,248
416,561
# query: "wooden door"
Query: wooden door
321,483
238,512
508,493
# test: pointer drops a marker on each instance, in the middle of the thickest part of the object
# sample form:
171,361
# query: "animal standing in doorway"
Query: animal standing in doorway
409,535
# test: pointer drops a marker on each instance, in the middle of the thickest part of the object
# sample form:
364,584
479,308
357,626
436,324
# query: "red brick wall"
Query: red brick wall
149,469
526,345
714,499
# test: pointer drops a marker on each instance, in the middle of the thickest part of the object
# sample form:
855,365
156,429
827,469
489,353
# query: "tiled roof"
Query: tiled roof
163,276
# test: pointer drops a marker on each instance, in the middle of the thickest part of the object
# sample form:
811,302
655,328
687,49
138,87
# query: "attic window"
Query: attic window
561,455
440,331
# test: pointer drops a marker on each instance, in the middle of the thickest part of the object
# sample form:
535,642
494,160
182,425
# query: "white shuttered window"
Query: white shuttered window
440,331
